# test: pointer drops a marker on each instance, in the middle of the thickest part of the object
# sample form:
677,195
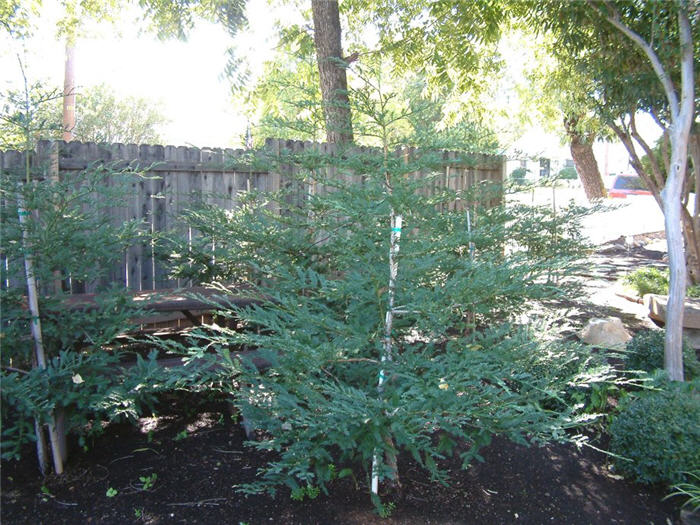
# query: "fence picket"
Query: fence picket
184,177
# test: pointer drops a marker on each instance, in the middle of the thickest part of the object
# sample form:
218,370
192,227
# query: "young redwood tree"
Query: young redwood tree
382,300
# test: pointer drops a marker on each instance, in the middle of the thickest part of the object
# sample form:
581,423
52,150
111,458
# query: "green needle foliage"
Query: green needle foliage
72,240
460,371
650,279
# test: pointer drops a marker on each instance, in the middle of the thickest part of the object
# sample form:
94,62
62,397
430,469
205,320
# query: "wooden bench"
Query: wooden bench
190,302
186,301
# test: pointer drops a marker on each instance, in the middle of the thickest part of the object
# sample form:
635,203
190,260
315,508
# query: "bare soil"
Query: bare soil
198,457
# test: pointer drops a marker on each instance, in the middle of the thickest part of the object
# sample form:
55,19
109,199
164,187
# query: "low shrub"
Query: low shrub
657,434
568,174
645,351
654,280
648,280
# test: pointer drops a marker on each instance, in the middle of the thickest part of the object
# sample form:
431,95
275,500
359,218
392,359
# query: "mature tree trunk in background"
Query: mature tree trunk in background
694,154
334,83
586,165
69,91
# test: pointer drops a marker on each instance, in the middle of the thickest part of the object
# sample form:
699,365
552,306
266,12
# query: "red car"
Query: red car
625,185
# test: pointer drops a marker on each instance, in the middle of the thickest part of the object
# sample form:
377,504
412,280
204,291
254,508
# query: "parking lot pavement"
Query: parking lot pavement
633,215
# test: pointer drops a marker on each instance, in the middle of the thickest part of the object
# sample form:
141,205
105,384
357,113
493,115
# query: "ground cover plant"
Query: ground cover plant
654,431
385,317
654,280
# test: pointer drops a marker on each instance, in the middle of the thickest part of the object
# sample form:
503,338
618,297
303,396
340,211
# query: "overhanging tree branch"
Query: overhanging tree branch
655,167
656,64
623,133
687,67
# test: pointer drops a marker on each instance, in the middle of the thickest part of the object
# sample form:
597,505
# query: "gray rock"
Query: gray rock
689,517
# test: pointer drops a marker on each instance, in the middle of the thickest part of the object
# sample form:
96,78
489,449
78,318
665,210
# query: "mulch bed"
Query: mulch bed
197,476
199,457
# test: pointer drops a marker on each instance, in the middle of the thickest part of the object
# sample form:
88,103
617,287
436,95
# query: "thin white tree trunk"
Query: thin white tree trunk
682,119
35,326
396,223
682,111
673,353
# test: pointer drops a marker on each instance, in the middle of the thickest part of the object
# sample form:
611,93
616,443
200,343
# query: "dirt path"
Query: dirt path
603,293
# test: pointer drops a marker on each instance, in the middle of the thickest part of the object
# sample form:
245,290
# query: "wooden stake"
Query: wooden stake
41,452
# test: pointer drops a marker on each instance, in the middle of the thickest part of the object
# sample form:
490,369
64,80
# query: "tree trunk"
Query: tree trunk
69,92
682,113
587,169
680,138
669,199
586,165
331,67
673,356
682,119
693,232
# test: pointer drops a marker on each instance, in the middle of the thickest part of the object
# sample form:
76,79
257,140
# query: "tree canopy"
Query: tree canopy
104,117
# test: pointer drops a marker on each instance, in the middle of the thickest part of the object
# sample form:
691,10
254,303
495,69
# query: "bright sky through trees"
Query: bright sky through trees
135,63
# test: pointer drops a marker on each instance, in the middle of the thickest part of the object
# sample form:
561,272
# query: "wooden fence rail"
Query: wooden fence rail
176,178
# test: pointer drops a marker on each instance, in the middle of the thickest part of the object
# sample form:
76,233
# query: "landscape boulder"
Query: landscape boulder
608,332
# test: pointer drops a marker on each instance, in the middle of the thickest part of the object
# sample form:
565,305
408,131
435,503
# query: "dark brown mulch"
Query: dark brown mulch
197,477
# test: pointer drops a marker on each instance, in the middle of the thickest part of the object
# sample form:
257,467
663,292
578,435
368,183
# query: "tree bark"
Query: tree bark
69,92
682,118
694,154
585,162
682,112
673,356
331,67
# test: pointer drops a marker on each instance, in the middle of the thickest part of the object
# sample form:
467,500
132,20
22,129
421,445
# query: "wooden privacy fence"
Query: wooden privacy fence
177,178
